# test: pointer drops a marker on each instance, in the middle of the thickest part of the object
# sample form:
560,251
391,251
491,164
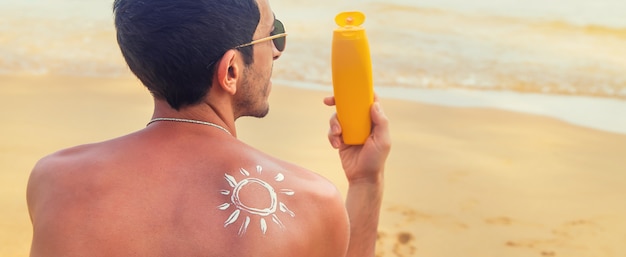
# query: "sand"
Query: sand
459,182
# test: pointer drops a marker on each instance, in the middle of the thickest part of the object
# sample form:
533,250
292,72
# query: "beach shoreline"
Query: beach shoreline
601,113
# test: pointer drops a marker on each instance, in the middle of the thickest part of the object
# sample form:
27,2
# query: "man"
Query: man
184,185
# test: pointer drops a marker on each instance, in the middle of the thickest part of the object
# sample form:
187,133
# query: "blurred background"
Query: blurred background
573,47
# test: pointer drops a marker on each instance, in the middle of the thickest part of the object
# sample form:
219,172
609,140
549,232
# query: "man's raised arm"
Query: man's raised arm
364,167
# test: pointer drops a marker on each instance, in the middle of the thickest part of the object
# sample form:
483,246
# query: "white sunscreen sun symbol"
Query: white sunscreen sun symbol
263,213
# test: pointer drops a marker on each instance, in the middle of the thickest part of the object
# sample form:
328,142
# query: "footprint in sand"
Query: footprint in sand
548,253
535,245
531,244
381,240
569,235
401,244
404,245
507,221
503,221
407,216
578,229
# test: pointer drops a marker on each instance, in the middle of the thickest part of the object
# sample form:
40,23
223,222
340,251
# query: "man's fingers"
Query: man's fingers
378,116
334,133
330,101
381,124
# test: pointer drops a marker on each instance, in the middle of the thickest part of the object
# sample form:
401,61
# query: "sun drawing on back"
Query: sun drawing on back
243,210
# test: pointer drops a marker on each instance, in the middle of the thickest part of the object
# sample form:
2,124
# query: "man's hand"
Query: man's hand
365,162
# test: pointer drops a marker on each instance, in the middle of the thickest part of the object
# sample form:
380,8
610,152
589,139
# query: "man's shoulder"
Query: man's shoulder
68,169
66,160
60,162
285,172
78,157
57,166
289,180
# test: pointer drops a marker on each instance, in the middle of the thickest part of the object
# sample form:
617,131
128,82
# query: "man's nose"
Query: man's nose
276,53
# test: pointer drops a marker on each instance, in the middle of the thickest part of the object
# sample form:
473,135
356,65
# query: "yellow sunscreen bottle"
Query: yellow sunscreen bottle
352,77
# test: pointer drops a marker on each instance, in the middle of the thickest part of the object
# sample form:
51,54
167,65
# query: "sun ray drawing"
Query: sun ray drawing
243,210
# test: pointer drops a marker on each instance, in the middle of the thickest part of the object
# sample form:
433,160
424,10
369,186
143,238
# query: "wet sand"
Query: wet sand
459,182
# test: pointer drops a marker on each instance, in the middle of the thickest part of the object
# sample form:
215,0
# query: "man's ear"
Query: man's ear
228,71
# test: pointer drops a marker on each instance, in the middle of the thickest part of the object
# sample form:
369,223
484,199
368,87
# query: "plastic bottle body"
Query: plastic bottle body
352,83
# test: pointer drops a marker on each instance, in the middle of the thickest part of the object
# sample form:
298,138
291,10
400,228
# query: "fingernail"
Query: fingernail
335,129
377,107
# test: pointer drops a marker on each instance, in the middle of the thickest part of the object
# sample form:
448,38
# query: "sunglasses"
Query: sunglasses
278,36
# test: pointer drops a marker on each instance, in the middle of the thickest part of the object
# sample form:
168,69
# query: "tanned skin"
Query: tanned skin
161,191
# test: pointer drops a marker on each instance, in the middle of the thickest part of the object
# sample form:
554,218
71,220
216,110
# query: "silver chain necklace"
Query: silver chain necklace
190,121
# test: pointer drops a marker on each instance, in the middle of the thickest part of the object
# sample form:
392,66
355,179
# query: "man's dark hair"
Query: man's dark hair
172,46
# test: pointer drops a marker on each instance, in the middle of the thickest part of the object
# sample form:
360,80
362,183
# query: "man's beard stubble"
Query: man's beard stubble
250,102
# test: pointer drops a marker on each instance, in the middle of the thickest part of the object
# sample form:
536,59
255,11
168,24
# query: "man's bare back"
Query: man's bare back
151,194
185,185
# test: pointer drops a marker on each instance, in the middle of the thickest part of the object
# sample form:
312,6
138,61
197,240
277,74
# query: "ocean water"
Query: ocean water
544,46
489,45
565,48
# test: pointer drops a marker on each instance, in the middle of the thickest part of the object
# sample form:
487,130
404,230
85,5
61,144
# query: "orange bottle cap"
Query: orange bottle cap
345,19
